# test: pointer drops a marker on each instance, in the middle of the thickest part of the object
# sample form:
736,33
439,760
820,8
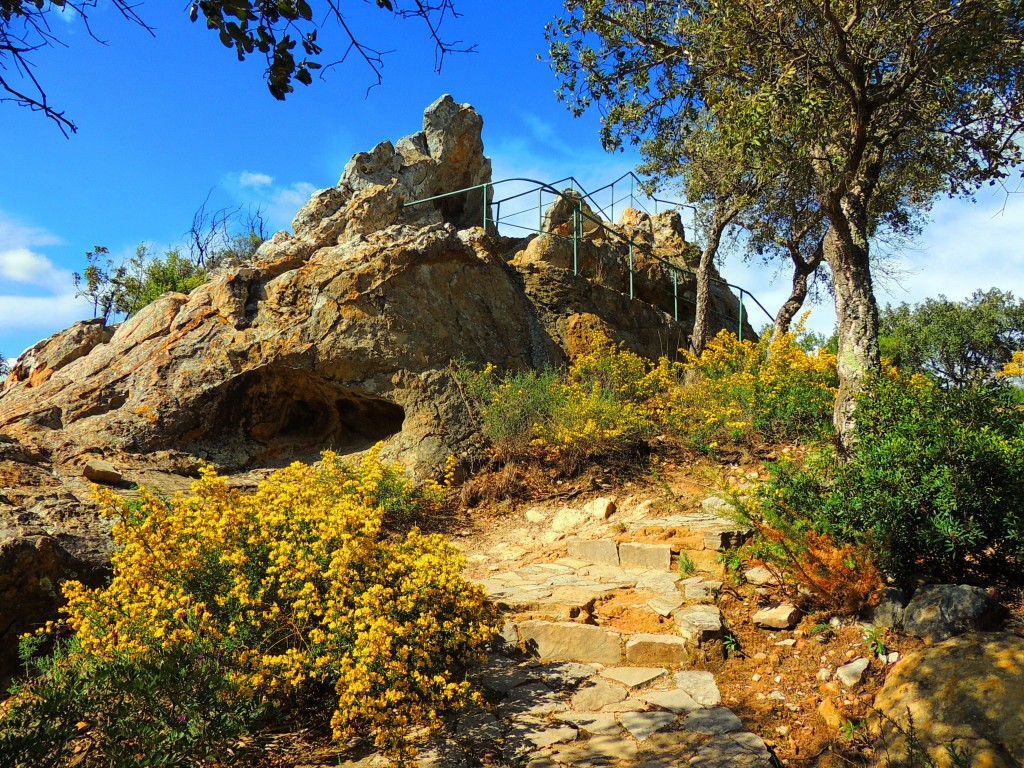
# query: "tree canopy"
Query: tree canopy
885,103
283,32
957,343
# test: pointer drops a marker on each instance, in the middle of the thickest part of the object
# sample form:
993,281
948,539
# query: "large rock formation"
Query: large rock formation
337,335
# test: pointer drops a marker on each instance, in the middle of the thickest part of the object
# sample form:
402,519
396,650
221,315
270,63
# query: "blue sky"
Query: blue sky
166,121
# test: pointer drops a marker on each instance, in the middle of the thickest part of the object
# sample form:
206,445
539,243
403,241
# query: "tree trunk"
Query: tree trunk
802,270
724,214
846,250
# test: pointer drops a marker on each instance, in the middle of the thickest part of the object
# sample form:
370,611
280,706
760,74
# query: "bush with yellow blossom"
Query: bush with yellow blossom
607,400
743,391
292,593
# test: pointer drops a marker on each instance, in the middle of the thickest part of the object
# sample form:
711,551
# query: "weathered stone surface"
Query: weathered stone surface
569,641
851,674
699,623
718,506
713,721
783,616
602,551
600,508
674,700
703,590
441,753
100,471
633,677
939,611
658,581
531,699
599,693
594,723
760,576
888,611
596,751
645,556
699,685
736,750
650,649
42,360
721,539
642,725
526,735
664,606
968,690
567,519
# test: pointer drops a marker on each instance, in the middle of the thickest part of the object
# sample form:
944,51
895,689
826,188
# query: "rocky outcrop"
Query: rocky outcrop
966,693
337,335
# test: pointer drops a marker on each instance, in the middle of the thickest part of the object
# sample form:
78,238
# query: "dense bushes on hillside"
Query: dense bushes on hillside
932,489
737,393
224,606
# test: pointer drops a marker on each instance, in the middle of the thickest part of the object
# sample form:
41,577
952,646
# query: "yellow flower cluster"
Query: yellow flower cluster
1015,367
295,584
742,390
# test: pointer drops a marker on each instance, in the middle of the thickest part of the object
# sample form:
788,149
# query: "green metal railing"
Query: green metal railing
577,195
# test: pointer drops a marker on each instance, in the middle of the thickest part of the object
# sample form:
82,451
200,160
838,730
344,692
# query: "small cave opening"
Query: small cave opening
274,415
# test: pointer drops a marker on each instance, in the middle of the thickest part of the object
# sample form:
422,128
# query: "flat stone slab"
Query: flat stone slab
783,616
601,551
569,641
633,677
736,750
665,606
658,581
651,649
642,725
699,623
714,721
100,471
594,723
527,735
531,699
596,751
760,576
674,700
564,674
703,590
700,685
645,556
599,693
606,574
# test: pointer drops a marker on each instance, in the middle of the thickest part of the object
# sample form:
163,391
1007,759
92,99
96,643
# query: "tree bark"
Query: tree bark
723,216
802,270
846,251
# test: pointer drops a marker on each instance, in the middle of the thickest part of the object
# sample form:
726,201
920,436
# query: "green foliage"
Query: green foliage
933,485
686,565
874,639
178,706
5,366
98,282
955,342
147,277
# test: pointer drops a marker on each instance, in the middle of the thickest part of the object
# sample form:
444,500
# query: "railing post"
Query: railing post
575,239
631,269
632,203
483,193
540,210
675,295
740,331
613,202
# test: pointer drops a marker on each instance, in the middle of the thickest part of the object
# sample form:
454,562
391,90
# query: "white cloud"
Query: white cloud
21,314
254,179
23,265
278,202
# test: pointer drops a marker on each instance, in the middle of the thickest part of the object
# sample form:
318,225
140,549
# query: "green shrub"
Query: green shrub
933,486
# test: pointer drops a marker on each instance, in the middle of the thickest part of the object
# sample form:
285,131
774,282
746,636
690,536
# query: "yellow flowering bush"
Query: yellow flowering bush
296,591
606,400
740,391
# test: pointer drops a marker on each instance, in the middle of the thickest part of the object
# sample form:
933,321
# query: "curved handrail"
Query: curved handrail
541,186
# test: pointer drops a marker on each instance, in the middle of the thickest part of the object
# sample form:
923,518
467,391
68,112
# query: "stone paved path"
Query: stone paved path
566,685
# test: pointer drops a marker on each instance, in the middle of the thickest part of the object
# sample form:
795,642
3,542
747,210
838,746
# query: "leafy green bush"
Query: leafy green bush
934,484
224,606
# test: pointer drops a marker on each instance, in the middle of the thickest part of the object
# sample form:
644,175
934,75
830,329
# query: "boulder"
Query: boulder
100,471
939,611
783,616
967,691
